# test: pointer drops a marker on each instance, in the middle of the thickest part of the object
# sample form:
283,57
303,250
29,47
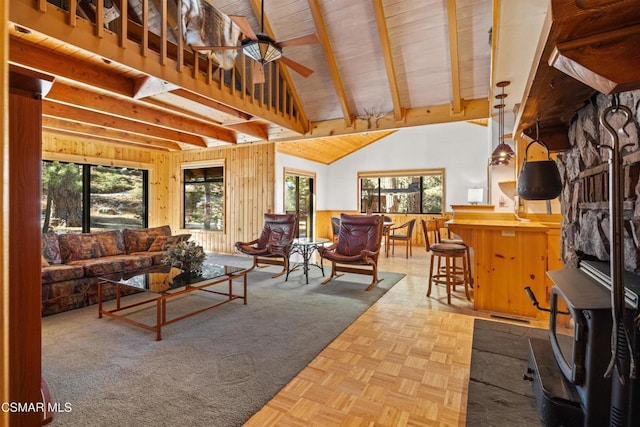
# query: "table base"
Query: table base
161,302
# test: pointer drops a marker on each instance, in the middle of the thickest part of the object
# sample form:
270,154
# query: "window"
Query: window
412,192
83,198
204,198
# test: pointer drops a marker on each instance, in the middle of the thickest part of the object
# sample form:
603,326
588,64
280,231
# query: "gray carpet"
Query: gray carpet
498,396
213,369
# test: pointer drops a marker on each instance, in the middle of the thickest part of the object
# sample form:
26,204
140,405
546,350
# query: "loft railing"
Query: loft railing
159,46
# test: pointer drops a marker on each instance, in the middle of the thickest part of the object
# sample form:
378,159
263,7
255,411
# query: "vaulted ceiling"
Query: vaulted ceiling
378,65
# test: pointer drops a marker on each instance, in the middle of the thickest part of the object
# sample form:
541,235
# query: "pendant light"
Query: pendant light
539,180
503,153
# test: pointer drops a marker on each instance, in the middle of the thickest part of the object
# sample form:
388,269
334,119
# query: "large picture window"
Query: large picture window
83,198
412,192
204,198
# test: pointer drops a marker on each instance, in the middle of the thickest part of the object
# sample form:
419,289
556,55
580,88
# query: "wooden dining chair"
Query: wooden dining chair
402,233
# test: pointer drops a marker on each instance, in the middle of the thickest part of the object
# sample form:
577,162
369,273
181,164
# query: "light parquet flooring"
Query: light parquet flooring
404,362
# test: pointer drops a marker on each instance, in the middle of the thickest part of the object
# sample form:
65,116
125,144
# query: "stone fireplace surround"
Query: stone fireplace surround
584,172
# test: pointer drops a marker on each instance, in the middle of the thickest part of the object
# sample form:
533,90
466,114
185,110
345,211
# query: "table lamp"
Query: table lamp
475,196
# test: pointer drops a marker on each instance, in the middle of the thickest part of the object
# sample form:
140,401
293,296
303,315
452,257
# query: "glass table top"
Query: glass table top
164,278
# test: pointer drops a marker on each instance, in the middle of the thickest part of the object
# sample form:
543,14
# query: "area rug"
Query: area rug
213,369
498,395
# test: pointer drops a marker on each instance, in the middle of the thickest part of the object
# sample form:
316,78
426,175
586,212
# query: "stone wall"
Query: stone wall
584,171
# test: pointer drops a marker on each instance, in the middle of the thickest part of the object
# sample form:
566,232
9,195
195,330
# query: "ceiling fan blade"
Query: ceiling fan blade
245,27
299,41
298,68
258,72
199,48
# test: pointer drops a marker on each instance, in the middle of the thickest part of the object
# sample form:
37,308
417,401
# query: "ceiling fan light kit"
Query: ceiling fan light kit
261,49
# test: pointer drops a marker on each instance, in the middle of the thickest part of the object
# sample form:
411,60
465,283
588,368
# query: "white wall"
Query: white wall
461,148
285,161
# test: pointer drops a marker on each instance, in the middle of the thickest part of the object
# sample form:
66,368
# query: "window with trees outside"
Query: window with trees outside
83,198
204,198
412,192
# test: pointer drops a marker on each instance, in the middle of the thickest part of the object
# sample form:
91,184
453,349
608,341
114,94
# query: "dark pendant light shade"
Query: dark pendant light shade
503,153
539,180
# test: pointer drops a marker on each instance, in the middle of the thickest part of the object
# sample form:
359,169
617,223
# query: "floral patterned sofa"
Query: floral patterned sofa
72,263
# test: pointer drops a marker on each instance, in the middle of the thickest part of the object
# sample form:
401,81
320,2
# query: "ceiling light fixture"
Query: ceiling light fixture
263,49
503,153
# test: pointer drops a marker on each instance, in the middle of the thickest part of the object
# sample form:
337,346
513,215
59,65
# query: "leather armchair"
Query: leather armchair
357,248
274,244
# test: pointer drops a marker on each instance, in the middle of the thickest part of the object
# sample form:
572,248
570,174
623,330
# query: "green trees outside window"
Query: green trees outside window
414,194
204,198
82,198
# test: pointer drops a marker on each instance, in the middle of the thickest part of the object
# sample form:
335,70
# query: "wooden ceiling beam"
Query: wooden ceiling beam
90,131
212,104
323,36
452,21
138,111
68,112
471,110
385,46
256,130
49,62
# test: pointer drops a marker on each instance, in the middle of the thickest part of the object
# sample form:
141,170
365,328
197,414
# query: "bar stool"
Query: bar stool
450,252
440,224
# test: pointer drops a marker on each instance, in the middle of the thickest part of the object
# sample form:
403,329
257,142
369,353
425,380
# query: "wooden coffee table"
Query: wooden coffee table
167,283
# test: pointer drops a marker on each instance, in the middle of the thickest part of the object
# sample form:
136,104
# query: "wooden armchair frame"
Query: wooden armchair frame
357,248
274,244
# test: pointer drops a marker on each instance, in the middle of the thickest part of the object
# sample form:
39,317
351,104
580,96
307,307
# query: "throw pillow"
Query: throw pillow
182,237
43,261
162,243
51,248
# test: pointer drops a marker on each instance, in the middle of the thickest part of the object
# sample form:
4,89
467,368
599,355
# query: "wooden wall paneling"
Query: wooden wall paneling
24,292
250,181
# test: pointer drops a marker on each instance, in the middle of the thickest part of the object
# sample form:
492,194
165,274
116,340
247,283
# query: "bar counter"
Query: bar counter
508,255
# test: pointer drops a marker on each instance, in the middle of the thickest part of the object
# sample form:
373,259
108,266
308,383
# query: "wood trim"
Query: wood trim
299,172
405,172
427,115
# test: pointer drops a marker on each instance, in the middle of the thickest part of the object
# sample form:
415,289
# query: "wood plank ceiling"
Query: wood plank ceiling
379,65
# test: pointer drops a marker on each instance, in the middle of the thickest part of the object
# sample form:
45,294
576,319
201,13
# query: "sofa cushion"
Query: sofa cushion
74,247
51,248
140,239
113,264
156,257
111,242
61,272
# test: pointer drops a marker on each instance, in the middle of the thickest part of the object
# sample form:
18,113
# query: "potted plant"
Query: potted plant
187,256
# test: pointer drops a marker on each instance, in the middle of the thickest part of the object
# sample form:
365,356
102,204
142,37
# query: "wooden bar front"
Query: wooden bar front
509,255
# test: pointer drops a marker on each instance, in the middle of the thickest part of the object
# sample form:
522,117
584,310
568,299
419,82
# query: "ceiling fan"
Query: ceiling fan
263,49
